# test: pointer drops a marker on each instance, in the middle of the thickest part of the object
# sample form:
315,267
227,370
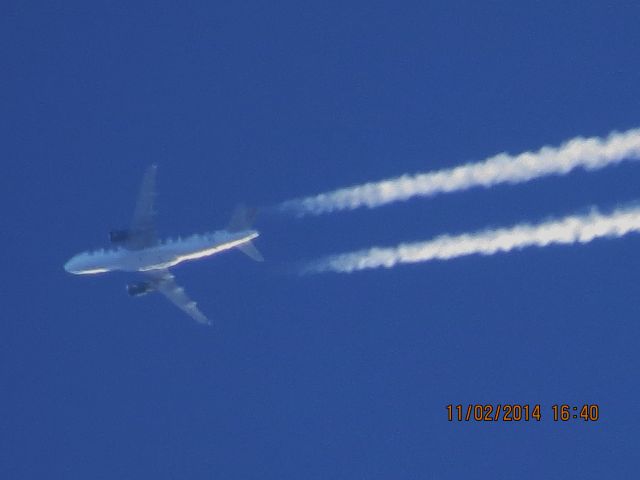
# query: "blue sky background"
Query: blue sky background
329,376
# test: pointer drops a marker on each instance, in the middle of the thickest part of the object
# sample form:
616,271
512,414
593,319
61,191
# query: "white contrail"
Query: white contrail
589,153
567,230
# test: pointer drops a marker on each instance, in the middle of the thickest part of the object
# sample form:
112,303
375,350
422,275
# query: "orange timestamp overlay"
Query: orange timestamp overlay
522,412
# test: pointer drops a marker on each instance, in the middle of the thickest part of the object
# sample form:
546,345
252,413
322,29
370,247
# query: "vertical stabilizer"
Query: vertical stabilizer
242,219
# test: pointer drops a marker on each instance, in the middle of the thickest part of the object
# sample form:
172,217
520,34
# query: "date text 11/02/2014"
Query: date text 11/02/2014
517,412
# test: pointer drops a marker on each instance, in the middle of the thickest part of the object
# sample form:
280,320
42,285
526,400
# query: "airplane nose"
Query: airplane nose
69,265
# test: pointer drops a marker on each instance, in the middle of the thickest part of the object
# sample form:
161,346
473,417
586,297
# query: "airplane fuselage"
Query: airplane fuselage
162,255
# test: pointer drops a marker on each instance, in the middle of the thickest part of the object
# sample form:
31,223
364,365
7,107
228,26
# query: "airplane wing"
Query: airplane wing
142,232
164,281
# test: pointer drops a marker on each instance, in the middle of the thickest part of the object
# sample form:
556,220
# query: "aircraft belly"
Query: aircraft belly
205,250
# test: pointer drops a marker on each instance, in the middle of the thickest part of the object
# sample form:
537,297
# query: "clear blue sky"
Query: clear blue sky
328,376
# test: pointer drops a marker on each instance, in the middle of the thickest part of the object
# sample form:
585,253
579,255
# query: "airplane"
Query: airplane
138,249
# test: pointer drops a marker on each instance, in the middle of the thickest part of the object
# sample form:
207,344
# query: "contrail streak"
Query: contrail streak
564,231
589,153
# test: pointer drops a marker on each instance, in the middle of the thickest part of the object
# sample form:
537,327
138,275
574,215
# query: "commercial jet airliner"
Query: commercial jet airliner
138,250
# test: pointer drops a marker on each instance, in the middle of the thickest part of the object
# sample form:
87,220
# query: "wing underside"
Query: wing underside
142,234
143,230
164,281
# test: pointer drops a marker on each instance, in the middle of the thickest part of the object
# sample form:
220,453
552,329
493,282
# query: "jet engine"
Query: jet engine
138,289
118,236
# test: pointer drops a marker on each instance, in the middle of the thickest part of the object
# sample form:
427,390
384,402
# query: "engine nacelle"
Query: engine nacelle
139,288
118,236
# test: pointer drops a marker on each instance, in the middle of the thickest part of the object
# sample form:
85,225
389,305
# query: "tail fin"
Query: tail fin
241,219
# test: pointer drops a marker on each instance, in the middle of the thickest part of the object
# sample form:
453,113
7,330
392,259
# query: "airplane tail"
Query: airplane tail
242,219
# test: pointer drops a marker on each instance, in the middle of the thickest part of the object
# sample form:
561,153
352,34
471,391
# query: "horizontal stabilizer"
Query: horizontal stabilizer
242,219
249,249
